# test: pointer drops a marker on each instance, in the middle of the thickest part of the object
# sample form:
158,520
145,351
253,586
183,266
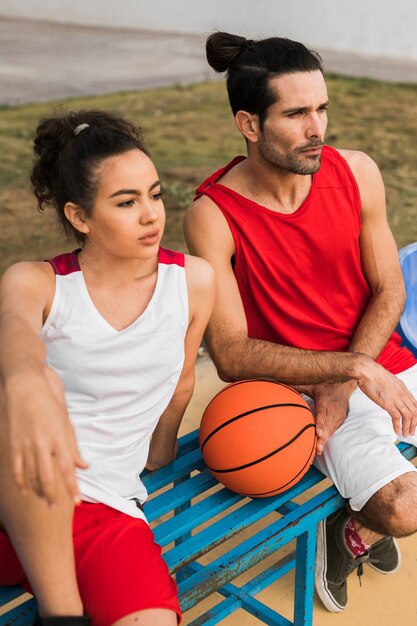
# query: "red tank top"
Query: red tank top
300,275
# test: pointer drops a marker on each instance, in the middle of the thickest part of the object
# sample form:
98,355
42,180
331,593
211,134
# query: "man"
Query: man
309,291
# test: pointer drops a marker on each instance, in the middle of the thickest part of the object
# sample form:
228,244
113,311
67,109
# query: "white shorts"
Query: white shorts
361,457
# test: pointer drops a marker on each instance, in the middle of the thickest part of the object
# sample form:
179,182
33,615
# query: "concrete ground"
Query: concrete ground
42,61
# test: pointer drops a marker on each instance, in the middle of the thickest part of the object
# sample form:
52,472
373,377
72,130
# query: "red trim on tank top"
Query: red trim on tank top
67,263
170,257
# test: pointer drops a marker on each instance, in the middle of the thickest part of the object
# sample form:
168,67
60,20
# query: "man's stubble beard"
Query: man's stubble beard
290,162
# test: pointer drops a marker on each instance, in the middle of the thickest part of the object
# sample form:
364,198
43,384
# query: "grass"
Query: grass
190,132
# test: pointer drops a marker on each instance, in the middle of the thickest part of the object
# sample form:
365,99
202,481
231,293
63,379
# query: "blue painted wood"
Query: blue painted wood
407,450
183,493
202,511
304,577
263,612
167,475
237,597
7,594
237,520
257,547
22,615
182,574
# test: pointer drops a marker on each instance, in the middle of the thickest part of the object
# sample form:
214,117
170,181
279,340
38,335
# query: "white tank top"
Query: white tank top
117,383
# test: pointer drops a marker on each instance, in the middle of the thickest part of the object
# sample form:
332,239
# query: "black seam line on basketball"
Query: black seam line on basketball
253,380
272,491
288,443
237,417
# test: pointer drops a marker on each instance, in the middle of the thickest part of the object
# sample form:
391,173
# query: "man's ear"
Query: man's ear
76,217
248,125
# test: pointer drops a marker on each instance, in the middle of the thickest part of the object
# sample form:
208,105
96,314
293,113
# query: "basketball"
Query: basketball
258,437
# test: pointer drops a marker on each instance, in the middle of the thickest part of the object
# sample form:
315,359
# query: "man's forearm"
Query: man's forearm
375,328
243,357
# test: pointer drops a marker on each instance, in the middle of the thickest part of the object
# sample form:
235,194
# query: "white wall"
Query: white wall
376,27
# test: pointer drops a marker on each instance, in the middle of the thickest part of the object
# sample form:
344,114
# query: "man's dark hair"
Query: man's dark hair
251,64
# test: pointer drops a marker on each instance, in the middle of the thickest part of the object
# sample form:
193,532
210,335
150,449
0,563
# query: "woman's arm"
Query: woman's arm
200,283
36,416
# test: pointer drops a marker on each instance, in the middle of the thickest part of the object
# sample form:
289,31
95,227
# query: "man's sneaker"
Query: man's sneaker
334,562
385,556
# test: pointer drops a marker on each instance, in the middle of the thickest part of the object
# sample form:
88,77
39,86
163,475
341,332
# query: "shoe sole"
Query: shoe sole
393,571
320,572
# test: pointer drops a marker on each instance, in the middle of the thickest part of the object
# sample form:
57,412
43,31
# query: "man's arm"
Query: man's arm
380,261
200,282
36,417
237,356
383,272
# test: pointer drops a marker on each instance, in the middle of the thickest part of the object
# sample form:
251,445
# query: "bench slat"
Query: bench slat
179,495
257,547
203,511
174,471
7,594
22,615
260,582
234,522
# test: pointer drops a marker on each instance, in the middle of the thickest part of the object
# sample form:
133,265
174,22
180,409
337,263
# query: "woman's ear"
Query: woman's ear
247,123
76,217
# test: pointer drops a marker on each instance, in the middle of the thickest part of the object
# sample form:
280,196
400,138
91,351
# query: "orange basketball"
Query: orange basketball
258,437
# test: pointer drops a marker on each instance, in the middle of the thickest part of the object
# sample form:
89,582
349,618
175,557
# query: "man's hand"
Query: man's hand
390,393
42,439
331,407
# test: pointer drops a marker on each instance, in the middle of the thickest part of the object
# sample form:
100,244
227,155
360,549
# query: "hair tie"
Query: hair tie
80,128
248,43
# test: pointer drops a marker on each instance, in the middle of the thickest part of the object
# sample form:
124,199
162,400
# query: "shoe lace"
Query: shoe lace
359,570
359,573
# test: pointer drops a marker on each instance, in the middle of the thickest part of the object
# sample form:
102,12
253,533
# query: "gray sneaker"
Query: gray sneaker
334,562
385,556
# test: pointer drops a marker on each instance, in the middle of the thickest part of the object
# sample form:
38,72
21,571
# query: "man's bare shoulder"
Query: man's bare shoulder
206,231
204,214
201,205
358,160
368,178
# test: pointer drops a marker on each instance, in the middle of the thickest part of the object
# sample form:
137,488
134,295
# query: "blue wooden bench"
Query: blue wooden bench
192,515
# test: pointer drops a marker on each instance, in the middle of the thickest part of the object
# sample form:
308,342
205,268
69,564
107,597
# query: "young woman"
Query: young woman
97,358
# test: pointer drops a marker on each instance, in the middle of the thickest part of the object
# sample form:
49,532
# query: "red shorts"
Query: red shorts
120,569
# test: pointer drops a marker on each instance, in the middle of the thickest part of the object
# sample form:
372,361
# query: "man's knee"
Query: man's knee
393,509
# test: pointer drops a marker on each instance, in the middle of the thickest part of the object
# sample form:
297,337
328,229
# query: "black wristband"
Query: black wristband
62,620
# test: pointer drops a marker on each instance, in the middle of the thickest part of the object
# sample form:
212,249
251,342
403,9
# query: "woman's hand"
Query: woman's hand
41,436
